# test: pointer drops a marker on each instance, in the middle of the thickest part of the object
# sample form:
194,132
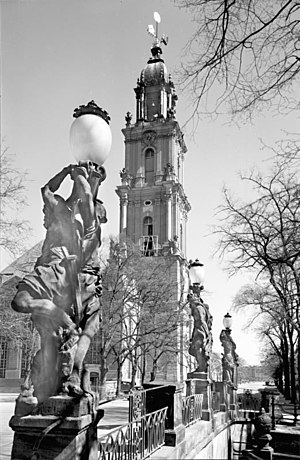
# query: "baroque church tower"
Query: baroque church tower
153,205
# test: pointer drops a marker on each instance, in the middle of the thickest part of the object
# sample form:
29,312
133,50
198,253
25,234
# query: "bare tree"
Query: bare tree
13,229
139,309
17,330
263,236
246,51
274,329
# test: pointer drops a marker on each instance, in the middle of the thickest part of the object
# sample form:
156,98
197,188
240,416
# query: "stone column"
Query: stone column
169,215
124,207
142,105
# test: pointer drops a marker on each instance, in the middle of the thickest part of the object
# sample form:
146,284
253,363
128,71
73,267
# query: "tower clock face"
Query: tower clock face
149,138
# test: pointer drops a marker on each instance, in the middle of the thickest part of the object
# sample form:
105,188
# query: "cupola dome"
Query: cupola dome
155,71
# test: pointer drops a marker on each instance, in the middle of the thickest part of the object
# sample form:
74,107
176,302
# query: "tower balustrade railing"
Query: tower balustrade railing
149,245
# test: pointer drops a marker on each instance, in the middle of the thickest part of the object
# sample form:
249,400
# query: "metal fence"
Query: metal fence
284,413
248,404
136,440
191,409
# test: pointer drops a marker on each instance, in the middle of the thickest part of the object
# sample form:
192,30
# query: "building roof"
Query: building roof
22,265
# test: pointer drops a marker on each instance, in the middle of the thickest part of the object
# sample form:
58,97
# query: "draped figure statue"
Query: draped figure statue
62,293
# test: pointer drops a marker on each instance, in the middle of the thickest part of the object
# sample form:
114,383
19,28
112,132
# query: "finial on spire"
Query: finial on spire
154,31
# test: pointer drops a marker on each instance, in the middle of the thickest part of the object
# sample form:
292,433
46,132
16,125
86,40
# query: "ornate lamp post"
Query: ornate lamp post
227,322
229,361
64,302
90,134
201,340
196,275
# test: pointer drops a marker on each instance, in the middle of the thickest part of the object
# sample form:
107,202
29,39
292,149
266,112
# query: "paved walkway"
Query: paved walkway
7,407
115,415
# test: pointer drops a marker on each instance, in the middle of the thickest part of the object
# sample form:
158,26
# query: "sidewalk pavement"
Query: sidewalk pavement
115,415
8,397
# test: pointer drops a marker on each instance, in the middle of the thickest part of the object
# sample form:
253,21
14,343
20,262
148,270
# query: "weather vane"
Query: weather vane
154,31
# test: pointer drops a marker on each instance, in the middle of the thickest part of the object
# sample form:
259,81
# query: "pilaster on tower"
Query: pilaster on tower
153,204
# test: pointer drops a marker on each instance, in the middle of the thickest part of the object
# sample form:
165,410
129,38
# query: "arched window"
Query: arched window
148,249
148,226
149,166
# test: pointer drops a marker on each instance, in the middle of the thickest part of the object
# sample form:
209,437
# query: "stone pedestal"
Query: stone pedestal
264,451
64,428
167,395
221,388
199,383
231,389
175,430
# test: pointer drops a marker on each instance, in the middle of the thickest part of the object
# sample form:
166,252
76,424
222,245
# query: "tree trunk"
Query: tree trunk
143,370
119,378
279,378
133,375
292,365
298,359
153,371
103,374
133,370
286,369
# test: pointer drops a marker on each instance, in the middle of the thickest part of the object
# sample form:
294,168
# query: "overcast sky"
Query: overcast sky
58,54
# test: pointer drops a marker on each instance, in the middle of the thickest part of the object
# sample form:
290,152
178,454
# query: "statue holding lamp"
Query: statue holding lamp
62,293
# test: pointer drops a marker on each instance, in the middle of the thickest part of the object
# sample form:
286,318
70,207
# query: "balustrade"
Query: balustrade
191,409
136,440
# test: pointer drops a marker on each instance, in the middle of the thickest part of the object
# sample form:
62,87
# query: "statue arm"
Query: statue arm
84,194
55,182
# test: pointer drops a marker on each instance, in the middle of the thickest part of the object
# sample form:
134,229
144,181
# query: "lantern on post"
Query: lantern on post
196,275
227,322
90,134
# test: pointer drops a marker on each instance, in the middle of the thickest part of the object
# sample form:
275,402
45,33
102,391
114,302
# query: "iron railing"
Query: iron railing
284,413
149,245
191,409
136,440
137,404
248,404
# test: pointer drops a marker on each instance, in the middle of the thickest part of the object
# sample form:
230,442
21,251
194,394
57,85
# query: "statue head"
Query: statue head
100,212
49,215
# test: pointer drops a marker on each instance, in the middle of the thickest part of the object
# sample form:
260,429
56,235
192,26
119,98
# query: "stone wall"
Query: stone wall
207,440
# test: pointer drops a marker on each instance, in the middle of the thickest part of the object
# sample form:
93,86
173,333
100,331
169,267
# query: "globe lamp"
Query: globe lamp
90,134
196,273
227,321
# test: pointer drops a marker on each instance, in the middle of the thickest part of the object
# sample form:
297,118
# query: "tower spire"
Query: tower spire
156,48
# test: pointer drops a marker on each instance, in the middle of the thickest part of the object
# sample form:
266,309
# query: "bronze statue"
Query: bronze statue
201,340
62,293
